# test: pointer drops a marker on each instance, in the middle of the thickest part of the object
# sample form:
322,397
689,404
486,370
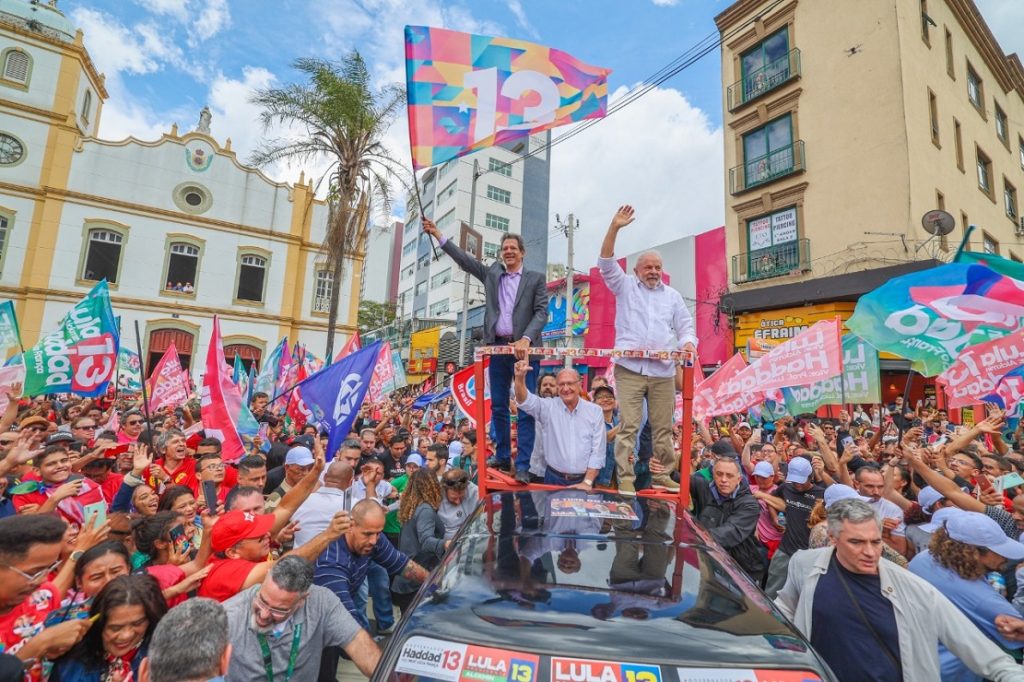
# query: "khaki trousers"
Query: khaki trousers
631,389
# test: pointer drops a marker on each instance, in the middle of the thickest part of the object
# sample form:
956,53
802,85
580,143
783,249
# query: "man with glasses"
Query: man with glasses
131,427
30,548
84,429
38,426
279,628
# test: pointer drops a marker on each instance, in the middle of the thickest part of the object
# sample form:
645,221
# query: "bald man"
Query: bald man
572,430
334,495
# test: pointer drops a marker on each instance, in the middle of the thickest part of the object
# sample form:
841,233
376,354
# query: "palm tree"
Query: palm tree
343,120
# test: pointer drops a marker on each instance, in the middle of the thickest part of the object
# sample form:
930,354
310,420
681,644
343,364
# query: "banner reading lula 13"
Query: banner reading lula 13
80,356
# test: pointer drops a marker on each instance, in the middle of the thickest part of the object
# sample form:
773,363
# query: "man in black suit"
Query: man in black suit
515,313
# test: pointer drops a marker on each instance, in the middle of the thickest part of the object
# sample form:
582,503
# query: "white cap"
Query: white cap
764,470
838,491
300,455
976,529
927,498
799,470
939,517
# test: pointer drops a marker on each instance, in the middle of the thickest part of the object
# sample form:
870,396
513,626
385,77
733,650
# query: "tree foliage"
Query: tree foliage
373,315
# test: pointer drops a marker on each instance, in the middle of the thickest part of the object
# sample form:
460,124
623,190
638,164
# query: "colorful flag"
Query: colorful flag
167,386
10,335
312,363
398,367
383,381
707,403
810,356
240,376
467,92
860,375
978,369
351,346
334,395
129,371
464,391
225,415
1003,266
929,316
1009,392
297,413
14,374
266,380
80,357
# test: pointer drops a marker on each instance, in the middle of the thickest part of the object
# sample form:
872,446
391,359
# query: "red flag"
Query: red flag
383,379
465,393
705,401
811,356
978,369
225,415
351,346
167,384
296,409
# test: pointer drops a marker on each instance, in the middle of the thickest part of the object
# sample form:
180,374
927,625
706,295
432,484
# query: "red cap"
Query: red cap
238,525
193,440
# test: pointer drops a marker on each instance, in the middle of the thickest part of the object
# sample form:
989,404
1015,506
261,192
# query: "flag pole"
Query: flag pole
963,242
842,364
145,398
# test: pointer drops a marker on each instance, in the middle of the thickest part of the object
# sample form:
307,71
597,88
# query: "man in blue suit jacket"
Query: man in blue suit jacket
516,311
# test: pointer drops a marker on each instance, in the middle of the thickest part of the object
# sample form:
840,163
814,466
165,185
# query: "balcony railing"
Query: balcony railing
758,171
780,260
321,304
765,79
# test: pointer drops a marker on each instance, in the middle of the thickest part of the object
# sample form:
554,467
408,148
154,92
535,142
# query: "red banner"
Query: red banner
465,394
383,380
706,402
351,346
813,355
167,385
979,368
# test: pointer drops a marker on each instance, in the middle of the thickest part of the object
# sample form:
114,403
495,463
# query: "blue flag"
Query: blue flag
334,395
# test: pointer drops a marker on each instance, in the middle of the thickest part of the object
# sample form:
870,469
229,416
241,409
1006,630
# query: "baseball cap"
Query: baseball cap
60,437
723,446
839,491
889,439
414,458
305,440
238,525
764,470
799,470
976,529
604,389
940,517
454,449
299,455
742,425
927,498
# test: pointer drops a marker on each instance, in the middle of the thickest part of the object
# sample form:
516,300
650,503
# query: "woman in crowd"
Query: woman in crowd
422,537
94,569
169,556
127,611
181,500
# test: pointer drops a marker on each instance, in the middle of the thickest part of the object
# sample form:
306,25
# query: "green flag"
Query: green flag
80,356
860,371
10,336
1003,266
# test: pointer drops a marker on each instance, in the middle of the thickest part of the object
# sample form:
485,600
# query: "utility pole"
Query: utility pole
466,275
567,228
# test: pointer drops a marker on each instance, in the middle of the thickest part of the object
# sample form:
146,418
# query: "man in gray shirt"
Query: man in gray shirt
279,628
459,498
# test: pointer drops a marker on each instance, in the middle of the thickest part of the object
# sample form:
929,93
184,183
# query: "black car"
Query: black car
568,586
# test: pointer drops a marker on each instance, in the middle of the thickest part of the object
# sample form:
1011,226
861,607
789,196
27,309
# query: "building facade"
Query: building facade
512,193
381,263
178,226
842,131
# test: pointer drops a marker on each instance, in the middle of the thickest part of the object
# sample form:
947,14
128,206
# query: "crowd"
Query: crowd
131,550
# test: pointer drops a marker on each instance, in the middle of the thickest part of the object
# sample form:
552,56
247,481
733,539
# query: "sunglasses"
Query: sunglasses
134,422
90,427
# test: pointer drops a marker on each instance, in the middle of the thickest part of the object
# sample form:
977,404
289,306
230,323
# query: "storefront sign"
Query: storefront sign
784,227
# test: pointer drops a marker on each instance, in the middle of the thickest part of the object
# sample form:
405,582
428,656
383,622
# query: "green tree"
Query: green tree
342,118
373,315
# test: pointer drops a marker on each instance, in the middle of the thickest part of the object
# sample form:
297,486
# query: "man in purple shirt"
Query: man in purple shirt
515,313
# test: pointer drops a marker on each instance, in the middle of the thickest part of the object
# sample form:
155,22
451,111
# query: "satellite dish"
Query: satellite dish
937,223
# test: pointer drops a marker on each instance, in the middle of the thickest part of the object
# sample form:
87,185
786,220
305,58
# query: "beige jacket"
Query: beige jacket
923,618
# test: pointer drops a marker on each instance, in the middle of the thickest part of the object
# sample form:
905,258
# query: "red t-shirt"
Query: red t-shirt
111,484
168,575
185,475
22,499
226,578
26,621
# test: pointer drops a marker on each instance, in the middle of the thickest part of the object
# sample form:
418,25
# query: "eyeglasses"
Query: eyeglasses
38,575
214,467
90,427
134,422
260,603
37,427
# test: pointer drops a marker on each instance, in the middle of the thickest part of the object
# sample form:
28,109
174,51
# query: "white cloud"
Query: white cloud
666,3
116,48
214,16
1005,17
174,8
516,7
660,154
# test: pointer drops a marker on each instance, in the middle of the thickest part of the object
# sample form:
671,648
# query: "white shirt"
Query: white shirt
315,514
573,441
383,491
647,319
888,510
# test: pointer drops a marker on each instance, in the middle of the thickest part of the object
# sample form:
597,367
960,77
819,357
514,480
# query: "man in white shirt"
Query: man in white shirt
649,315
871,484
335,495
371,484
572,429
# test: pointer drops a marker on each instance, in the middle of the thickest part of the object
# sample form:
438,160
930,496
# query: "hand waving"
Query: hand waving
624,216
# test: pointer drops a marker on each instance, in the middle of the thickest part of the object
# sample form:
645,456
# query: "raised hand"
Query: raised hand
430,228
522,368
624,216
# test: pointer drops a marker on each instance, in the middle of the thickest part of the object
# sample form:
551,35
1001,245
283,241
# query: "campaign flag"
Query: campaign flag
225,415
296,411
464,390
351,346
860,375
810,356
312,363
80,356
398,367
241,378
167,385
129,371
929,316
266,380
9,376
10,335
1003,266
978,369
1009,392
467,92
334,395
707,403
383,381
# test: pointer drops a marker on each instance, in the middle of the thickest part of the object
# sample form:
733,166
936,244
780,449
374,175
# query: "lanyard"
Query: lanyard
268,663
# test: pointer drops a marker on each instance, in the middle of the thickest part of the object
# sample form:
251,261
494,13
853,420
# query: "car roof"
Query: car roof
598,576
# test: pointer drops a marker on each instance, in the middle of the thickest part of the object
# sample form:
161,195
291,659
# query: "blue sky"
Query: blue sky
165,59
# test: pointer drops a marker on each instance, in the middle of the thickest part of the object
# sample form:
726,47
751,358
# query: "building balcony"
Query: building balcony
791,258
764,80
763,169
